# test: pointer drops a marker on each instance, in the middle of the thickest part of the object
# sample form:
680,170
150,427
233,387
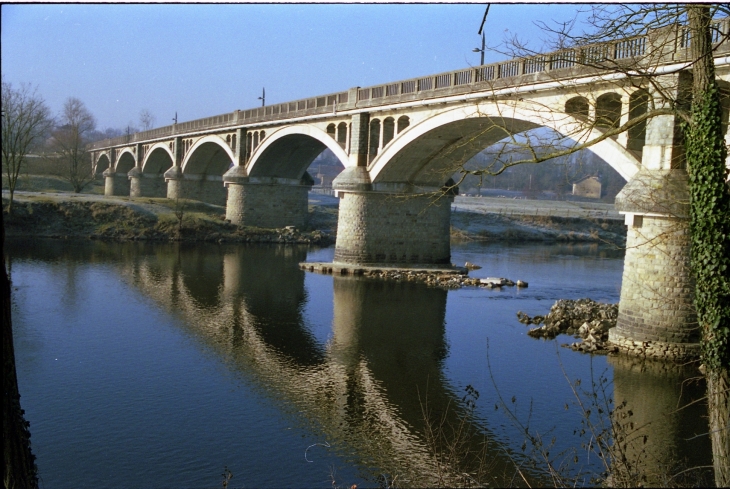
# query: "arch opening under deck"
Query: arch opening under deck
102,163
210,156
288,152
428,153
158,159
125,162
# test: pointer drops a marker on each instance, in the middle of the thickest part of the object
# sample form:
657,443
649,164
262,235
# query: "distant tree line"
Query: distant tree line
34,141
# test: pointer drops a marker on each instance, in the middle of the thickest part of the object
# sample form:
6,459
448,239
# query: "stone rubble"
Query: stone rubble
582,318
441,279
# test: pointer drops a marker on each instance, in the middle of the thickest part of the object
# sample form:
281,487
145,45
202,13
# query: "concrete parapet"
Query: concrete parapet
376,228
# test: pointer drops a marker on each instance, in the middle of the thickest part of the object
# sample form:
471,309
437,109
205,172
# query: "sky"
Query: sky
201,60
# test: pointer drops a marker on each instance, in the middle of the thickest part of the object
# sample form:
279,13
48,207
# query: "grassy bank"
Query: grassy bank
70,216
471,226
61,214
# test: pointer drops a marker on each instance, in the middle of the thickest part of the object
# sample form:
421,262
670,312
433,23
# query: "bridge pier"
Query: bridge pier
393,227
115,183
146,185
656,311
205,188
266,202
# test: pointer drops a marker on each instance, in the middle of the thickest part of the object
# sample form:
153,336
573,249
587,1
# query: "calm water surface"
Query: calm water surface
157,365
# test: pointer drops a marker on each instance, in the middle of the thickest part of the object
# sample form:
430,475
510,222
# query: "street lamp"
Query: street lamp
481,31
477,50
263,96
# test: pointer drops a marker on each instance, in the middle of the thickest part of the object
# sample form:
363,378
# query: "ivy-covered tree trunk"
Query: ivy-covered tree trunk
20,470
710,231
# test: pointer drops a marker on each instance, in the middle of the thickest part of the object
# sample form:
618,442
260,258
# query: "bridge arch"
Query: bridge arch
209,155
125,162
288,152
102,163
159,158
425,152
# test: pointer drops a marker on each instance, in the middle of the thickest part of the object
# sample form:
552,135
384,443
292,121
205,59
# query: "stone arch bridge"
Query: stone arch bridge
400,143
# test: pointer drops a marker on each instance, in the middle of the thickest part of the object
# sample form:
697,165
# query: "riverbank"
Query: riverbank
522,220
88,216
92,216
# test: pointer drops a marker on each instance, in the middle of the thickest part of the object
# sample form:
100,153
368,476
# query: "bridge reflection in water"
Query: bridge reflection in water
363,386
668,407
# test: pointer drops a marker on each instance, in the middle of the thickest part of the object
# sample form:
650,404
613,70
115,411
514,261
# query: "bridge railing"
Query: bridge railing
513,72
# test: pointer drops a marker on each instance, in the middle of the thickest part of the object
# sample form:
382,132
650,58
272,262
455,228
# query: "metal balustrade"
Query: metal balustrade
462,81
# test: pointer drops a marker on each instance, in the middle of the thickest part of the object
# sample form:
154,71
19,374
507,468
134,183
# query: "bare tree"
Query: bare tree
648,36
26,119
146,119
76,125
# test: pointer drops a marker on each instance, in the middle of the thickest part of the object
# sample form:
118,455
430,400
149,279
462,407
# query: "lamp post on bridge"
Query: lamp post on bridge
263,96
481,31
477,50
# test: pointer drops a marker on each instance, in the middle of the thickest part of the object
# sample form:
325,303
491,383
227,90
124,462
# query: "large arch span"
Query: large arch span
425,153
209,155
159,158
288,152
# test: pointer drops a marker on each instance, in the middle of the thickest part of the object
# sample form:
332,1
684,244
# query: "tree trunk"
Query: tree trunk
710,229
20,469
718,397
12,196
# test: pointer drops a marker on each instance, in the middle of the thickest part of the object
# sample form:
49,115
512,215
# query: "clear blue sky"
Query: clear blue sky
203,60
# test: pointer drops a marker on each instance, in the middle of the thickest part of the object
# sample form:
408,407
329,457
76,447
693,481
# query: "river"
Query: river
164,365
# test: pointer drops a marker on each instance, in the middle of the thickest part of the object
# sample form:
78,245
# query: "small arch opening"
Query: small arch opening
403,122
388,130
608,110
577,107
332,131
342,134
374,139
638,106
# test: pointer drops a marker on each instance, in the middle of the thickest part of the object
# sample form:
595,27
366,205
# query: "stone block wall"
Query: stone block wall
656,309
209,191
148,186
117,184
391,229
267,206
